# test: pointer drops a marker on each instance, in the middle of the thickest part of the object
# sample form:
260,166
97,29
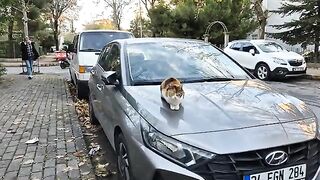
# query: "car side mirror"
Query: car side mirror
252,52
110,78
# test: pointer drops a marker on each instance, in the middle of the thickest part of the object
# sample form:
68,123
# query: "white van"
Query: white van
84,54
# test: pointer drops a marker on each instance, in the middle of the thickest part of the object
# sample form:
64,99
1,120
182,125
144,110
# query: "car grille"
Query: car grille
295,63
235,166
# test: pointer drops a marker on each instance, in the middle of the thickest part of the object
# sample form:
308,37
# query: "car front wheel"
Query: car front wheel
262,72
123,163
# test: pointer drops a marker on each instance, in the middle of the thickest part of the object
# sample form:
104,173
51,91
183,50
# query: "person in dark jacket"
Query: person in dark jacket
29,54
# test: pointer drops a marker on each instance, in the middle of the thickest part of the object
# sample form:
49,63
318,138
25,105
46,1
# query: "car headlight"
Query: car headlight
172,149
279,61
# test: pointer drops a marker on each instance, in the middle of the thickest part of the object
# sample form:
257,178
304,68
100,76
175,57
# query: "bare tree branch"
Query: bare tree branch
117,7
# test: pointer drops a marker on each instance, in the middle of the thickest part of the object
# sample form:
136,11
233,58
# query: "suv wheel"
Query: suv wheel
262,72
123,163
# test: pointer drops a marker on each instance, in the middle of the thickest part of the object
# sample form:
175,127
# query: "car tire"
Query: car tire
93,118
123,162
262,71
81,91
62,65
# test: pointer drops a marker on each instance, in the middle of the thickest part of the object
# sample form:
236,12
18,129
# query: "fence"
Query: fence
11,49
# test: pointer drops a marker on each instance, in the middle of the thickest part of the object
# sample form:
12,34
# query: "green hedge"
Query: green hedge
12,49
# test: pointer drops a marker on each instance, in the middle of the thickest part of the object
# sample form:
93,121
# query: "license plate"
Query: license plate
298,69
290,173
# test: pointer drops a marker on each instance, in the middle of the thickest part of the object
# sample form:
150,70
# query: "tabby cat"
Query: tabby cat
172,92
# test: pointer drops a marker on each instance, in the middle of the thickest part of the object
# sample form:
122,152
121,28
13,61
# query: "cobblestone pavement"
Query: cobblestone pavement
40,108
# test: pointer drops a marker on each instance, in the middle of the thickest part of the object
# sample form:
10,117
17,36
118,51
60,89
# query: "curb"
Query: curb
312,77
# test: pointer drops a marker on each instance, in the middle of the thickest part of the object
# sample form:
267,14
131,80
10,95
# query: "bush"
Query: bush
3,70
310,57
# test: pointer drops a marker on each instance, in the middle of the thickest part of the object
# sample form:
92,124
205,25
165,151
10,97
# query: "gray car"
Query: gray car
229,126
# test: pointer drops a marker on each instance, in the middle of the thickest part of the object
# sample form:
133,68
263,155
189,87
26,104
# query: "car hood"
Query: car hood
88,58
217,106
286,55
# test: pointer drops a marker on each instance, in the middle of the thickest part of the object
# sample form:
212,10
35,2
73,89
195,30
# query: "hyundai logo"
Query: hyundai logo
276,158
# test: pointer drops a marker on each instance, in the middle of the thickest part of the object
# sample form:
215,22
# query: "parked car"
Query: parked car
86,48
230,126
266,59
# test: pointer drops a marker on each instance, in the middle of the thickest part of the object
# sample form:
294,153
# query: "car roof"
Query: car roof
104,31
148,40
252,40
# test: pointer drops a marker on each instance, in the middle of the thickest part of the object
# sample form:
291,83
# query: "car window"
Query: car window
236,46
102,58
95,41
269,47
112,60
187,61
75,42
247,46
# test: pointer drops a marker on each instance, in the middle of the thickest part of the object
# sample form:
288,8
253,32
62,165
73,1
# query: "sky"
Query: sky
90,11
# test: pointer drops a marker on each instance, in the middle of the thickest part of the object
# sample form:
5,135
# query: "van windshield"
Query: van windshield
95,41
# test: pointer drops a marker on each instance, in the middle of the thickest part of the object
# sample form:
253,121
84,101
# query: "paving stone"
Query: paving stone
49,172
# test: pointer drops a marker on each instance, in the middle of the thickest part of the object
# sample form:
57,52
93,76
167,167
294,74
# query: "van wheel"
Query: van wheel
262,71
123,162
81,91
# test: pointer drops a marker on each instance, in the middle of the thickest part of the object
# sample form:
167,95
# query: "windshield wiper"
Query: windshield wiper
211,79
139,83
90,49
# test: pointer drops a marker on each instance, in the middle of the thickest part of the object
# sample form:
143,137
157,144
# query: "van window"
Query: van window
95,41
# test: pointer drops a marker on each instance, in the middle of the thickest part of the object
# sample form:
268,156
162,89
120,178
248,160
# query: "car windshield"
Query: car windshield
152,62
95,41
270,47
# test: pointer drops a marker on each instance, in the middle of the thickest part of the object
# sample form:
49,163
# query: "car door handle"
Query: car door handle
99,87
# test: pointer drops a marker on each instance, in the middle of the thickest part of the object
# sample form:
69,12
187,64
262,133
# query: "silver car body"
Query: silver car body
224,117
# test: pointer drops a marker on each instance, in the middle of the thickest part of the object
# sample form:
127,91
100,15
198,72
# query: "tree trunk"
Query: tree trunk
316,51
10,34
56,33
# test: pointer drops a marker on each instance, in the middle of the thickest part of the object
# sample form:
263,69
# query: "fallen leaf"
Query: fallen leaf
85,173
28,162
79,154
81,164
87,134
18,157
69,140
69,168
60,129
32,141
60,156
11,131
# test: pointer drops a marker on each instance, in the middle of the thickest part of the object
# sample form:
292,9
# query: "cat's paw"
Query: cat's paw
174,108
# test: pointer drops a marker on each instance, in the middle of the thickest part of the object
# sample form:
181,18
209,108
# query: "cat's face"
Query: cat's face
175,91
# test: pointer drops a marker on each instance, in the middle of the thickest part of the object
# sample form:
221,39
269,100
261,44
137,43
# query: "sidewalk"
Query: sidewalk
40,108
313,73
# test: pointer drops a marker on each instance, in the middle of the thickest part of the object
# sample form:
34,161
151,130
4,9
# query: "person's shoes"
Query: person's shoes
29,77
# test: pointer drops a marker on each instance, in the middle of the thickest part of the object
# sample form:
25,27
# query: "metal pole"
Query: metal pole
25,18
140,19
226,39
